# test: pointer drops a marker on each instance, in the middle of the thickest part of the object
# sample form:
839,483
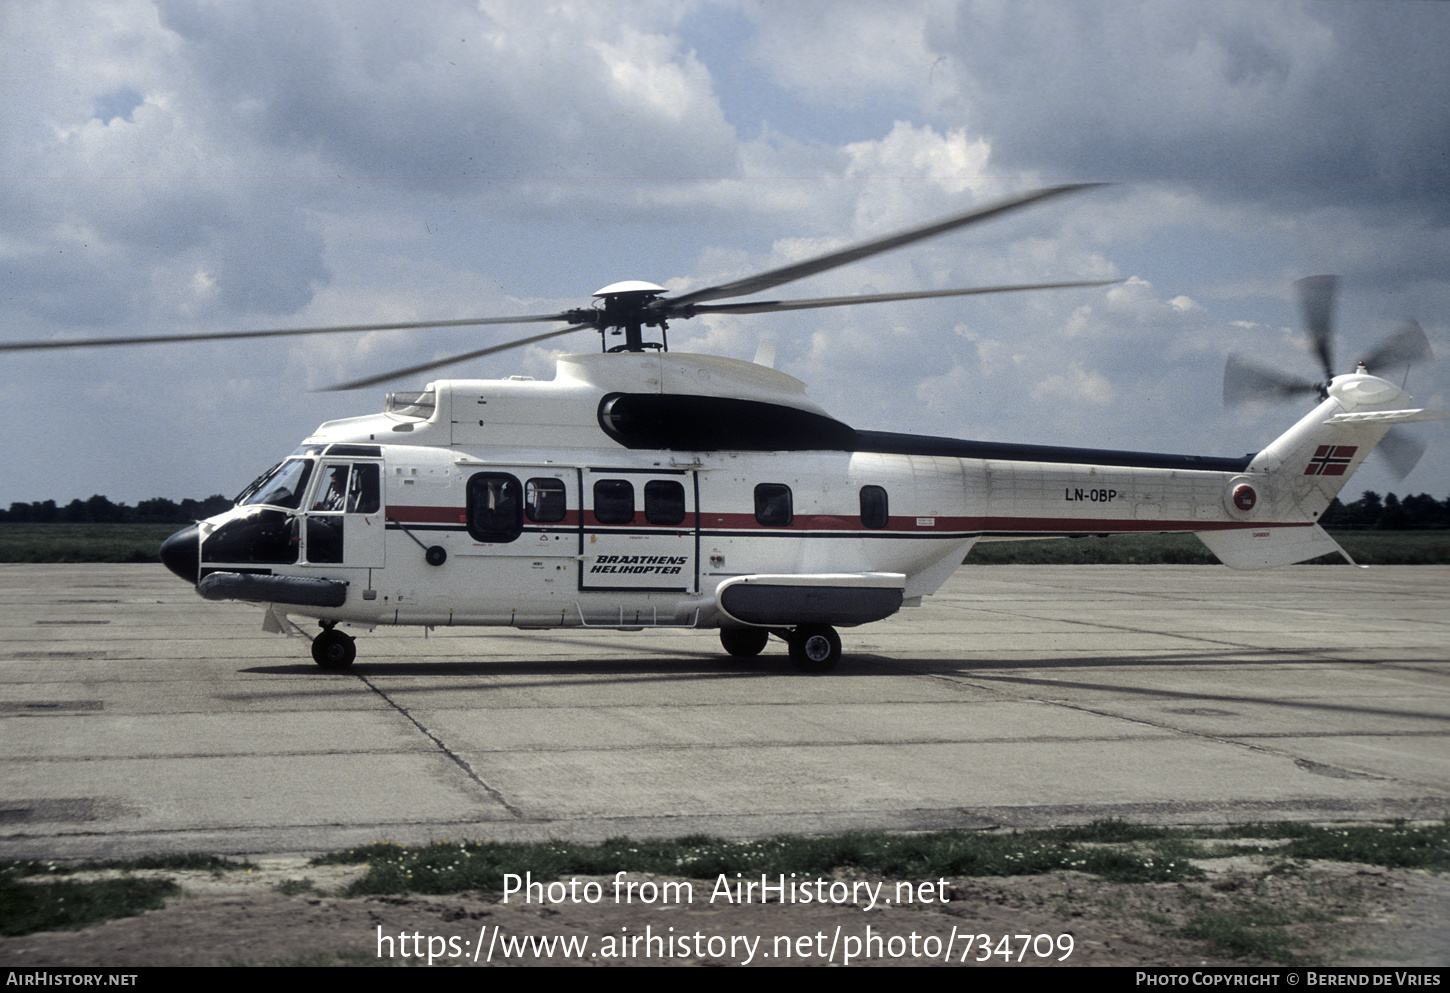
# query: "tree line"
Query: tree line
100,510
1421,512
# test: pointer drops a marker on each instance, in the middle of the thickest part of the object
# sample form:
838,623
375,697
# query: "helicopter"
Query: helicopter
642,488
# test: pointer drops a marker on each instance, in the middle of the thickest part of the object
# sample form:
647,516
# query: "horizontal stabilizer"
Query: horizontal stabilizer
1388,416
1264,548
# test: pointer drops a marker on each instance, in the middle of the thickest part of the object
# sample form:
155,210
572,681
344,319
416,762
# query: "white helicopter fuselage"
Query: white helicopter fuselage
672,490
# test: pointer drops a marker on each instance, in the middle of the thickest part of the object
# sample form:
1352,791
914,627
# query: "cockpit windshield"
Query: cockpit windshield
280,486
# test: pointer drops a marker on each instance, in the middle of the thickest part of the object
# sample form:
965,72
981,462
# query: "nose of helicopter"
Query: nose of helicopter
181,553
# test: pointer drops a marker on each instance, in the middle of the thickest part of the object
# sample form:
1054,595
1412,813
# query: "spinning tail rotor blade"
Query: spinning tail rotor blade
1244,382
1316,300
1401,450
1406,345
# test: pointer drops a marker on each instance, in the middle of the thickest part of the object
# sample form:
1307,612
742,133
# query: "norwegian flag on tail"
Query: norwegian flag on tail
1330,460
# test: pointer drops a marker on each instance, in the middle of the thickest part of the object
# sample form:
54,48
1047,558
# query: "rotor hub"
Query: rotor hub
627,310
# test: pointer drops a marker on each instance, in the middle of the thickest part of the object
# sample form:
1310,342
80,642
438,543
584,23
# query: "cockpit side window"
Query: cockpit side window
364,492
352,489
331,489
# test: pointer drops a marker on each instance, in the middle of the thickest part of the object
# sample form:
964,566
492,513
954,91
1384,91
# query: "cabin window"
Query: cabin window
614,501
544,500
495,507
873,507
664,502
773,505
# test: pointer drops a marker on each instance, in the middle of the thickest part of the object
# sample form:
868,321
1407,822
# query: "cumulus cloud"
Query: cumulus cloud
848,51
1076,385
959,162
1227,89
447,89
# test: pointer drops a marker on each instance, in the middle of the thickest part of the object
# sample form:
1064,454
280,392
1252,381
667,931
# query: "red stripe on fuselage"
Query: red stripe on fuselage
808,523
901,525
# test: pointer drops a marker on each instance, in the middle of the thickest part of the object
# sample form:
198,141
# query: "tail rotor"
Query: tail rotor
1247,382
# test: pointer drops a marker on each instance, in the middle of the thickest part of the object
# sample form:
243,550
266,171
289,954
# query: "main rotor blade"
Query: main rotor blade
156,339
1245,382
771,306
358,384
855,253
1408,344
1316,300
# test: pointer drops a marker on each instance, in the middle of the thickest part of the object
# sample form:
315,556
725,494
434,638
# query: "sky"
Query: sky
179,165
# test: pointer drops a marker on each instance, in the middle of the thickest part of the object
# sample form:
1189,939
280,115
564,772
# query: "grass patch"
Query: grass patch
189,861
1113,850
1394,848
68,904
27,904
1235,916
451,868
1114,831
1245,934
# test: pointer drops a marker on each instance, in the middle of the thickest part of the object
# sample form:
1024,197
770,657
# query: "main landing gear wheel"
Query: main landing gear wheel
744,643
815,647
332,649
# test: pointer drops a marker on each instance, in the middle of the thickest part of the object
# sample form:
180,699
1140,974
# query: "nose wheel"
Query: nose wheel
814,647
332,649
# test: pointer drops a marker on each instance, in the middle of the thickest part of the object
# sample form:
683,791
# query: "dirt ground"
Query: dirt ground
286,912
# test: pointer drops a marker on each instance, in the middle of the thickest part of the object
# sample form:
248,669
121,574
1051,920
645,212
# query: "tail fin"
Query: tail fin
1293,480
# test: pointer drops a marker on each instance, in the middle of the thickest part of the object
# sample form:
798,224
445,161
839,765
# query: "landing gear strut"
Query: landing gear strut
332,649
814,647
